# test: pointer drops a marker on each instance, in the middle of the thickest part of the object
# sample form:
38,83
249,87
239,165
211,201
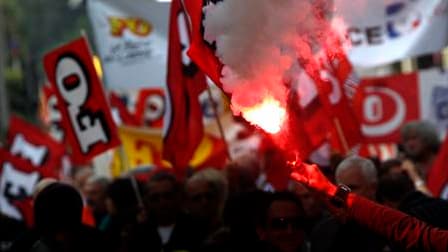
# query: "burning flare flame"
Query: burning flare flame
268,115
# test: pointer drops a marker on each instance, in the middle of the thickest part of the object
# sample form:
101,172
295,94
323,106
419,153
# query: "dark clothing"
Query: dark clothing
403,230
10,229
433,211
187,235
83,239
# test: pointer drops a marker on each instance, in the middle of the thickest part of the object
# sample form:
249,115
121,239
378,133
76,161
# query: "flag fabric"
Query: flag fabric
331,74
150,107
183,129
120,112
201,52
17,182
34,146
383,32
385,104
131,38
437,179
85,112
144,147
49,112
340,83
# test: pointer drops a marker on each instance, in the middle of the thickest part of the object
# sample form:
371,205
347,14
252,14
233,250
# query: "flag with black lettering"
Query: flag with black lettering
17,181
34,146
86,116
183,129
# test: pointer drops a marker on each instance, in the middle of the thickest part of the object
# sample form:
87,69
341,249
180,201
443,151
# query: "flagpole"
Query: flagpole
218,121
341,135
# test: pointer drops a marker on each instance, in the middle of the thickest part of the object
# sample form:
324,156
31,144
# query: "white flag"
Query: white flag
131,37
383,32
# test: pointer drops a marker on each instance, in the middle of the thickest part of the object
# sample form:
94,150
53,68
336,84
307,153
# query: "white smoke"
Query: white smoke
259,42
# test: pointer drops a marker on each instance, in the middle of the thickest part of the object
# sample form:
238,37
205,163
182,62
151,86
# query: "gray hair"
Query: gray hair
216,180
366,166
101,180
424,130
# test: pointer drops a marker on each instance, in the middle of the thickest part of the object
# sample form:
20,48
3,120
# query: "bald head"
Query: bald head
359,174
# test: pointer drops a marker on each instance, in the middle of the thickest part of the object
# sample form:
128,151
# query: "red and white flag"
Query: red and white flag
120,112
183,130
17,181
150,107
34,146
86,116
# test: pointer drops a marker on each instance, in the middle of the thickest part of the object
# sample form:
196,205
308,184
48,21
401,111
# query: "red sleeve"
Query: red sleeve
404,230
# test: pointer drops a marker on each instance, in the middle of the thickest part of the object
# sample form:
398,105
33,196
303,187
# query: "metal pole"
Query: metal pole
218,122
4,108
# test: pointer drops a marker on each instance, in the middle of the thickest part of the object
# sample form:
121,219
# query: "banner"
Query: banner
35,147
383,32
385,104
17,182
131,37
86,116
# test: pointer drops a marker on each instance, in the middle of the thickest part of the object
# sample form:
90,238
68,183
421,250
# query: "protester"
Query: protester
398,191
281,226
123,208
166,228
421,143
398,228
206,193
58,223
95,194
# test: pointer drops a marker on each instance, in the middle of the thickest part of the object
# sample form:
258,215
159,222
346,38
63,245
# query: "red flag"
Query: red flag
438,174
334,81
17,182
184,129
150,107
85,112
38,149
201,52
118,106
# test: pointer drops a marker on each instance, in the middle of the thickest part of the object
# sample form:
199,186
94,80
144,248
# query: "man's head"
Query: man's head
95,193
206,194
359,174
282,222
393,188
163,197
312,206
419,139
57,208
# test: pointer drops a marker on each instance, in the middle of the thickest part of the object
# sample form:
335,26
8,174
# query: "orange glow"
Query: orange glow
268,115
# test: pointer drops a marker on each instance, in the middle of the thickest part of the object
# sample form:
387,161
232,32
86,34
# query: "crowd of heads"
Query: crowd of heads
219,209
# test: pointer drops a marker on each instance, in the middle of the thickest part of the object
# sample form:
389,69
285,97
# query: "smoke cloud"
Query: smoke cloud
260,42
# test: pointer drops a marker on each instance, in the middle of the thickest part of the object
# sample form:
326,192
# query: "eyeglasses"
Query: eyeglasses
284,223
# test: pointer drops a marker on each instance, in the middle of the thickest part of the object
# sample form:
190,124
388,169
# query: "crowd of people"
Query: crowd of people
224,210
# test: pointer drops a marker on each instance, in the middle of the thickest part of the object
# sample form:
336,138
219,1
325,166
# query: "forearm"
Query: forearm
404,230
